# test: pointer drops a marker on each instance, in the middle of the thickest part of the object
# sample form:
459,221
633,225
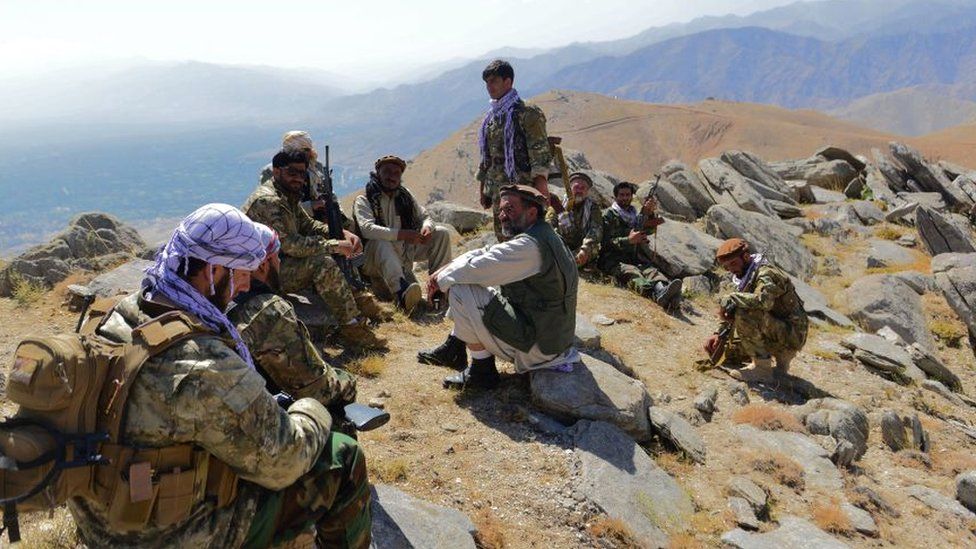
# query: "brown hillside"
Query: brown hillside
632,139
956,144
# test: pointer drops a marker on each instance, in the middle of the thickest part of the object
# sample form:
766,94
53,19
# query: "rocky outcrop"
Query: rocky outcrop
678,432
815,304
942,234
401,521
930,178
839,419
729,187
956,276
764,234
792,532
876,301
829,174
751,166
687,183
680,250
884,358
671,202
462,218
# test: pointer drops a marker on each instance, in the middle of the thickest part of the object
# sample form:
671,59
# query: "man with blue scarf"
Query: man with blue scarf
512,141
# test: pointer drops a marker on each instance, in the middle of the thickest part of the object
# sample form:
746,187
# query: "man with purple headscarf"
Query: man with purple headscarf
513,142
288,475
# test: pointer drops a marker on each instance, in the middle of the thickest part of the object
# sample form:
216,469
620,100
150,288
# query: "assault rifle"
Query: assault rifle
349,419
725,331
332,216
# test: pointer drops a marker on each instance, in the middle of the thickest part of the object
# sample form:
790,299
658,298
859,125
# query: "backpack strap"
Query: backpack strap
98,313
148,340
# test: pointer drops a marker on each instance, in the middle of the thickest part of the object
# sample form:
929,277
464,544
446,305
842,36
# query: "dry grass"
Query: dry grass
943,321
56,532
913,459
369,366
831,518
26,293
614,531
711,523
684,541
922,264
887,231
491,530
389,470
767,418
825,354
948,332
953,462
783,469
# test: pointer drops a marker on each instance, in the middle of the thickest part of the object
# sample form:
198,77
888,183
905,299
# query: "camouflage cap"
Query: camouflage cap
730,247
526,192
391,158
581,175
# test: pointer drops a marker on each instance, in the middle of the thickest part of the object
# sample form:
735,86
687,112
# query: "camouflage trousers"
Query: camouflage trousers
758,333
639,278
333,498
322,272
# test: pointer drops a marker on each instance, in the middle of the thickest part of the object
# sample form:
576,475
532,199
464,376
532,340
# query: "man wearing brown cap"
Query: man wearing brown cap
397,231
580,227
515,300
766,315
624,251
298,140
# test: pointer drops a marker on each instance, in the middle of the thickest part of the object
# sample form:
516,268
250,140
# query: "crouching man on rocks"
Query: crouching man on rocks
515,300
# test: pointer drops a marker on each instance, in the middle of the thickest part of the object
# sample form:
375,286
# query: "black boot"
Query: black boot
667,295
481,374
452,353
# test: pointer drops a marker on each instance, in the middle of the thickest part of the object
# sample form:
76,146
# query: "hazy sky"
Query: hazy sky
349,37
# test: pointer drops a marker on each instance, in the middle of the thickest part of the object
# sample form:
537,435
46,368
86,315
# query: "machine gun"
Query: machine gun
349,419
332,216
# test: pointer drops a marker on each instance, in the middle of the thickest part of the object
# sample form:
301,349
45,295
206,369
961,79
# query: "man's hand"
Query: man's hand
426,233
318,205
636,237
649,207
711,344
408,236
353,238
581,257
345,248
432,288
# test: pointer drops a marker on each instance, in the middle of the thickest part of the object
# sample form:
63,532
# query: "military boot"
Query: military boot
481,374
360,335
666,294
452,353
371,309
783,362
408,296
761,370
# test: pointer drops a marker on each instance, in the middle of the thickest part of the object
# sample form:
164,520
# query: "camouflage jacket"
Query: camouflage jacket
301,236
615,247
201,392
532,155
771,291
580,233
283,350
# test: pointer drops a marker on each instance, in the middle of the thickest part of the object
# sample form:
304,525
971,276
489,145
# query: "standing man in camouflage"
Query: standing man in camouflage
306,251
582,227
513,142
280,343
767,316
288,475
397,232
623,252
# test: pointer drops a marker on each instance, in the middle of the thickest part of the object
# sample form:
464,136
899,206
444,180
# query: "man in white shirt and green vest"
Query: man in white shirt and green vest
515,300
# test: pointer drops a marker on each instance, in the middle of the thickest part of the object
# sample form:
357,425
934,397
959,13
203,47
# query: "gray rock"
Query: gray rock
793,532
815,304
745,489
878,184
943,391
844,454
672,203
956,276
690,186
855,189
829,174
462,218
907,240
697,285
890,336
611,359
728,187
124,279
861,520
920,439
941,234
933,367
594,390
587,336
543,423
803,191
882,300
929,177
401,521
883,357
619,478
830,152
818,471
940,502
682,250
705,400
765,234
784,210
921,283
929,200
756,169
838,418
868,212
823,196
966,489
739,393
884,253
898,213
895,178
893,431
679,432
872,499
602,320
743,513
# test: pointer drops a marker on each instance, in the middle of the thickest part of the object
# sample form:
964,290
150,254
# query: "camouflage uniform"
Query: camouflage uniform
283,350
769,319
627,263
305,249
295,475
580,233
532,155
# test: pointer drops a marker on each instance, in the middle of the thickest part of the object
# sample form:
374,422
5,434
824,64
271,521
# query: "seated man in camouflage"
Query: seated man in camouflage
306,251
289,475
397,231
624,253
766,314
280,344
297,140
581,228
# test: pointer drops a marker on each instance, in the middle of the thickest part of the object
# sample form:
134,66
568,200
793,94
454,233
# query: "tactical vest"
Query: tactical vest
540,309
66,439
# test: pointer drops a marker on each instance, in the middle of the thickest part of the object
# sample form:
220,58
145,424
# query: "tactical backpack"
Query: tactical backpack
66,441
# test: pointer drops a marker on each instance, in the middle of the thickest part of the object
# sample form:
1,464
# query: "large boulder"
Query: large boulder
879,186
462,218
124,279
594,390
672,203
895,178
764,234
930,178
729,187
401,521
815,304
617,476
756,169
883,357
792,532
966,489
885,253
876,301
676,429
680,250
830,152
956,276
829,174
942,234
940,502
818,471
687,183
933,367
837,418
